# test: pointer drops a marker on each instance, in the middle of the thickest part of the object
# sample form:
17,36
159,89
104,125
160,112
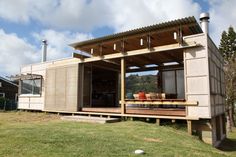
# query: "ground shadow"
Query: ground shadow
228,145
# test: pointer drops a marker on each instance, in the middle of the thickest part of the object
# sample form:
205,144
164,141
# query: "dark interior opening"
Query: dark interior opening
102,89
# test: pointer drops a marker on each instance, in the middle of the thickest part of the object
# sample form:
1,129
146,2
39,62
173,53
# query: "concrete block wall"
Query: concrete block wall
196,76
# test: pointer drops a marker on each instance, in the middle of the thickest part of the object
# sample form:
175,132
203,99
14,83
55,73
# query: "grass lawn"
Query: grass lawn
36,134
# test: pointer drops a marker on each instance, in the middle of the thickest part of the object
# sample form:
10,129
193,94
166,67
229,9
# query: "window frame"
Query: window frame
32,88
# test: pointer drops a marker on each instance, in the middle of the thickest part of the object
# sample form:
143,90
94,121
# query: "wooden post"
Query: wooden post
189,124
122,75
158,122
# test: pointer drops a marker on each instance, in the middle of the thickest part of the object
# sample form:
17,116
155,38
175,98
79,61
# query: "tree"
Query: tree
228,45
228,50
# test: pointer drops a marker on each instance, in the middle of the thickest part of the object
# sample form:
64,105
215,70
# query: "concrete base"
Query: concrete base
211,131
101,120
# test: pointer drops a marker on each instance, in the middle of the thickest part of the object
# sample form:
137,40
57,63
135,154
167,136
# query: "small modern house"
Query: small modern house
189,73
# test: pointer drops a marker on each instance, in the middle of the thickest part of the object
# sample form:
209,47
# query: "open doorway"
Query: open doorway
100,87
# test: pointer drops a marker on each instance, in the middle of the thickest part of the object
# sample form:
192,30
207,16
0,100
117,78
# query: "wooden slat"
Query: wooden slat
162,102
142,111
156,111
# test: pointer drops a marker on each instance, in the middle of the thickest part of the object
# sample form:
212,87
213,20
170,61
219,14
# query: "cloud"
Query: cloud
84,15
58,42
222,15
145,12
15,51
16,11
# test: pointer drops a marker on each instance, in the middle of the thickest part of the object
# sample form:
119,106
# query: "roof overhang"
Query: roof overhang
152,36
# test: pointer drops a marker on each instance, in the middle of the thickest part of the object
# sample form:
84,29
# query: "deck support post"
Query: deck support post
158,122
123,68
189,125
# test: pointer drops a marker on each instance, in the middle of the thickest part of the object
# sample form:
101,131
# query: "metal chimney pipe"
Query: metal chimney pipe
204,21
44,50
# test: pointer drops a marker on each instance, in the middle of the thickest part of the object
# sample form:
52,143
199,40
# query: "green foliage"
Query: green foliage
228,50
136,83
228,44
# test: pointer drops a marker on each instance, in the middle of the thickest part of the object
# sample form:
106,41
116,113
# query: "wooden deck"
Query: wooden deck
140,111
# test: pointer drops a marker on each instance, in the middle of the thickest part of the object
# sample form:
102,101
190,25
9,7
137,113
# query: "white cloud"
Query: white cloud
86,15
15,51
58,42
132,14
17,11
222,15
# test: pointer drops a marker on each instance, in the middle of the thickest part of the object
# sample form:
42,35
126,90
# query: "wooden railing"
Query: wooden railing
176,102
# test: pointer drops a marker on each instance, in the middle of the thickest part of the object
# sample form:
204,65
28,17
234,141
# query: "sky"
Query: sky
24,23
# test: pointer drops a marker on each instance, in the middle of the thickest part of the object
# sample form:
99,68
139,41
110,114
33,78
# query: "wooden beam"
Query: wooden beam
162,102
126,115
80,56
180,36
100,49
142,51
123,69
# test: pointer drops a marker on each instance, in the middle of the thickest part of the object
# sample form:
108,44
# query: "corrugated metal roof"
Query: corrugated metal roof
161,26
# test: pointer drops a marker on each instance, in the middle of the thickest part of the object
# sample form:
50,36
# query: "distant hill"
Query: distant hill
136,83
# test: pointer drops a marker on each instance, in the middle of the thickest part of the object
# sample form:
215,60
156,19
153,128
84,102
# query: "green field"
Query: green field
37,134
